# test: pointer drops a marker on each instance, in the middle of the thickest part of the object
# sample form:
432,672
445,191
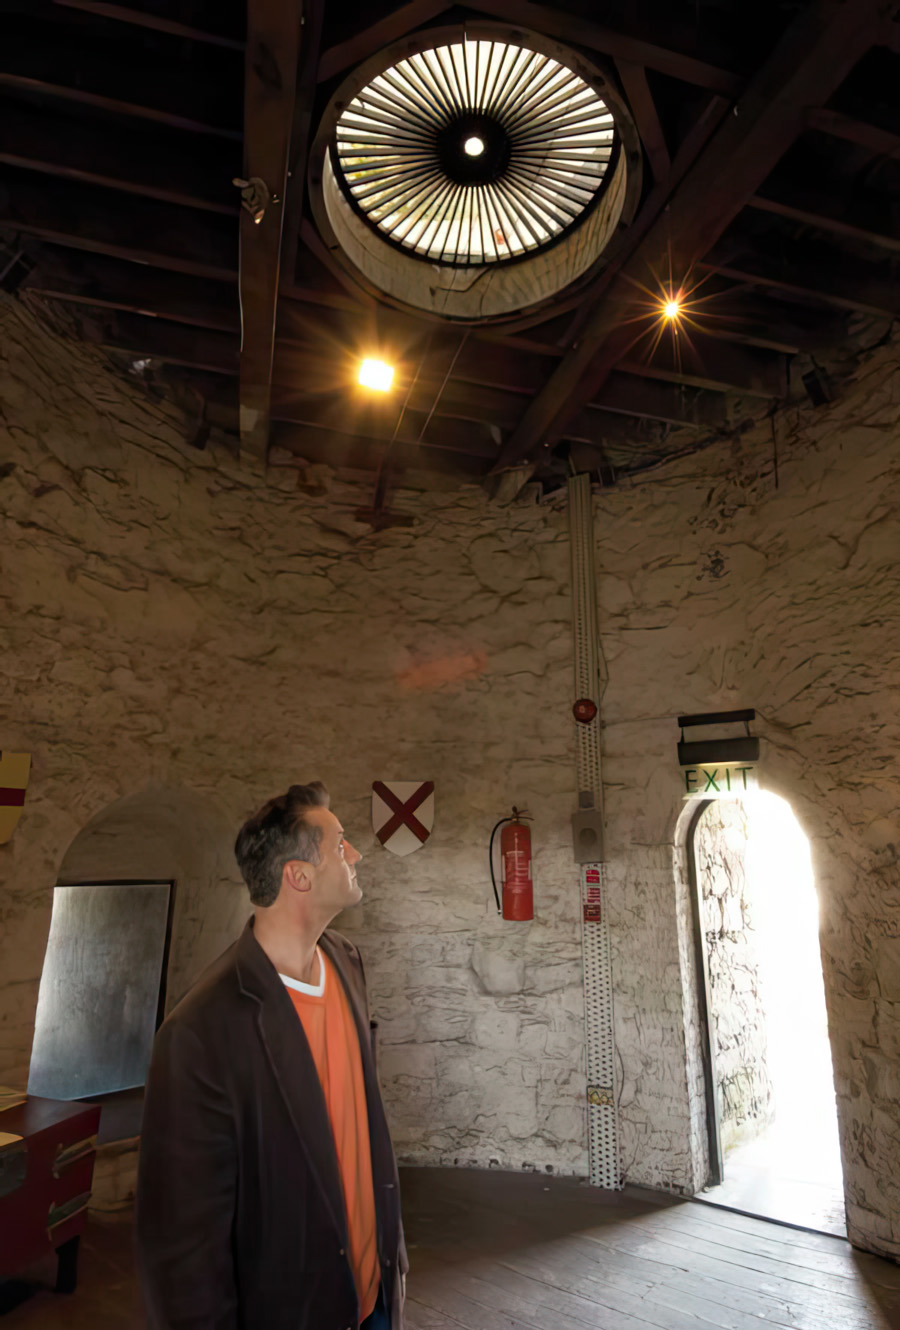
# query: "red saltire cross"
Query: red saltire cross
404,813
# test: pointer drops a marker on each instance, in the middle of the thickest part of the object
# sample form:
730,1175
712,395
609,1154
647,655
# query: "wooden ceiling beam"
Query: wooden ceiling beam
629,394
818,275
309,378
376,36
812,58
142,18
301,136
102,222
135,289
35,58
705,363
359,416
167,343
355,452
876,139
161,165
274,32
556,22
114,106
696,139
825,212
739,315
646,117
694,359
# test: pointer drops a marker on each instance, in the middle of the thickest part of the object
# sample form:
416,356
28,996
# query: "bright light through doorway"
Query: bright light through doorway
792,1171
805,1135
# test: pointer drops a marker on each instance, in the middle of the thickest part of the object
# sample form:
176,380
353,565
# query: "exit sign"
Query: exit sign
728,780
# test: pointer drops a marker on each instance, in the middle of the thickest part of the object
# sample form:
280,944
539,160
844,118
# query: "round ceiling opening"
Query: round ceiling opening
474,152
474,175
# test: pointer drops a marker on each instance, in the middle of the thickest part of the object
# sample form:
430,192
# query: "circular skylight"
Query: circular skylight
474,152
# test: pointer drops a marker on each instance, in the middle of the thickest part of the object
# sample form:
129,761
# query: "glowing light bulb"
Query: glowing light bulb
671,309
474,146
377,375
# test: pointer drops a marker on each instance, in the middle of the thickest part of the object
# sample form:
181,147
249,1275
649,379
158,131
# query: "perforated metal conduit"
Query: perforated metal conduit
603,1133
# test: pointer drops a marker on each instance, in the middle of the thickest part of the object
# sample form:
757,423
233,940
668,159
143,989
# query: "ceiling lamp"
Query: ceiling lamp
376,375
475,151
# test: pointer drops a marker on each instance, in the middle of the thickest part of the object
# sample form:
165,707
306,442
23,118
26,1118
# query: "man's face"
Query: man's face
334,883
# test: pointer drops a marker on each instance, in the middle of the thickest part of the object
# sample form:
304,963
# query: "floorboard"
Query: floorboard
522,1251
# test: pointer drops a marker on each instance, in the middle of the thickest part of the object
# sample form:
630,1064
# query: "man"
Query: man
267,1190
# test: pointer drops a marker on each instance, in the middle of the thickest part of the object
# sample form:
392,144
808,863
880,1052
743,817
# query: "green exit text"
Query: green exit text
718,780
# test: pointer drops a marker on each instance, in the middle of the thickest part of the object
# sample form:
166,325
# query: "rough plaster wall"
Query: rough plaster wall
746,1103
722,587
170,621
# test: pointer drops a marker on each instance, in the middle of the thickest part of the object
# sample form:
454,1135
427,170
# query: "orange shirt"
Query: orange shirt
331,1031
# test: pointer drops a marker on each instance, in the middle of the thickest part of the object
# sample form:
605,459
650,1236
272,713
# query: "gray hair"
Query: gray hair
276,834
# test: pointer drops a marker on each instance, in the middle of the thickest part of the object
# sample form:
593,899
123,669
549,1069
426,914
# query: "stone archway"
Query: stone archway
169,833
172,834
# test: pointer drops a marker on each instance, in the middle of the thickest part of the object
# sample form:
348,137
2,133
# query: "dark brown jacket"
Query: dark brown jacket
240,1210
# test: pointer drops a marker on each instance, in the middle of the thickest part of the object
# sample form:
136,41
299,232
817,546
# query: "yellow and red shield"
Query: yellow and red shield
15,769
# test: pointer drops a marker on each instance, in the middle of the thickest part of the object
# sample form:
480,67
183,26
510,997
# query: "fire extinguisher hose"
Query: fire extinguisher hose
491,860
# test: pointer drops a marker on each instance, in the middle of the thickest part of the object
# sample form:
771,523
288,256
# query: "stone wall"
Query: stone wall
746,1104
170,621
180,640
763,574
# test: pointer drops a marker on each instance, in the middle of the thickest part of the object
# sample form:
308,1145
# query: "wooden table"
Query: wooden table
45,1184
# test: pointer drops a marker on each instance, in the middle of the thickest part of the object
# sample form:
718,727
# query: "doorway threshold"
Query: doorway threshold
753,1186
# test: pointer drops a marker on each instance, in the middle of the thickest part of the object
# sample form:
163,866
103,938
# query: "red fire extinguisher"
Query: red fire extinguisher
515,854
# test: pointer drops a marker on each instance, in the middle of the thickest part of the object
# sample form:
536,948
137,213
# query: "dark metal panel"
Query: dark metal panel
712,751
100,989
717,718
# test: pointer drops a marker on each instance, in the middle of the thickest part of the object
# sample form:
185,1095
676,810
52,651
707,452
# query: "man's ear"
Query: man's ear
297,875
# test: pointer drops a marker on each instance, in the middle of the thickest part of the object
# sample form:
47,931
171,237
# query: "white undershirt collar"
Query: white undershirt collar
311,990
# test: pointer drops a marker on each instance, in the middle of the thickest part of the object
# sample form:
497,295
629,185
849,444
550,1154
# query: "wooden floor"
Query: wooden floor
501,1251
507,1251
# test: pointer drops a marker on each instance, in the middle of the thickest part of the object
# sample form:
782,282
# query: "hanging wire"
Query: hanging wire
440,391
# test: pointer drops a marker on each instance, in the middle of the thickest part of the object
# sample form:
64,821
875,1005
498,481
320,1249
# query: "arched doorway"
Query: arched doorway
170,840
772,1115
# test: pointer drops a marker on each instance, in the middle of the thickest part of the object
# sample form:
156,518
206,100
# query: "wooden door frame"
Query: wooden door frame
704,1005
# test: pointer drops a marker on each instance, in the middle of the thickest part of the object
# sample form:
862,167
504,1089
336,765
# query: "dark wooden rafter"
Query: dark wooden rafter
98,221
116,79
813,57
142,18
707,363
358,452
375,36
817,274
133,288
323,396
569,27
178,344
157,164
838,125
274,32
699,134
646,117
361,419
301,134
868,221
